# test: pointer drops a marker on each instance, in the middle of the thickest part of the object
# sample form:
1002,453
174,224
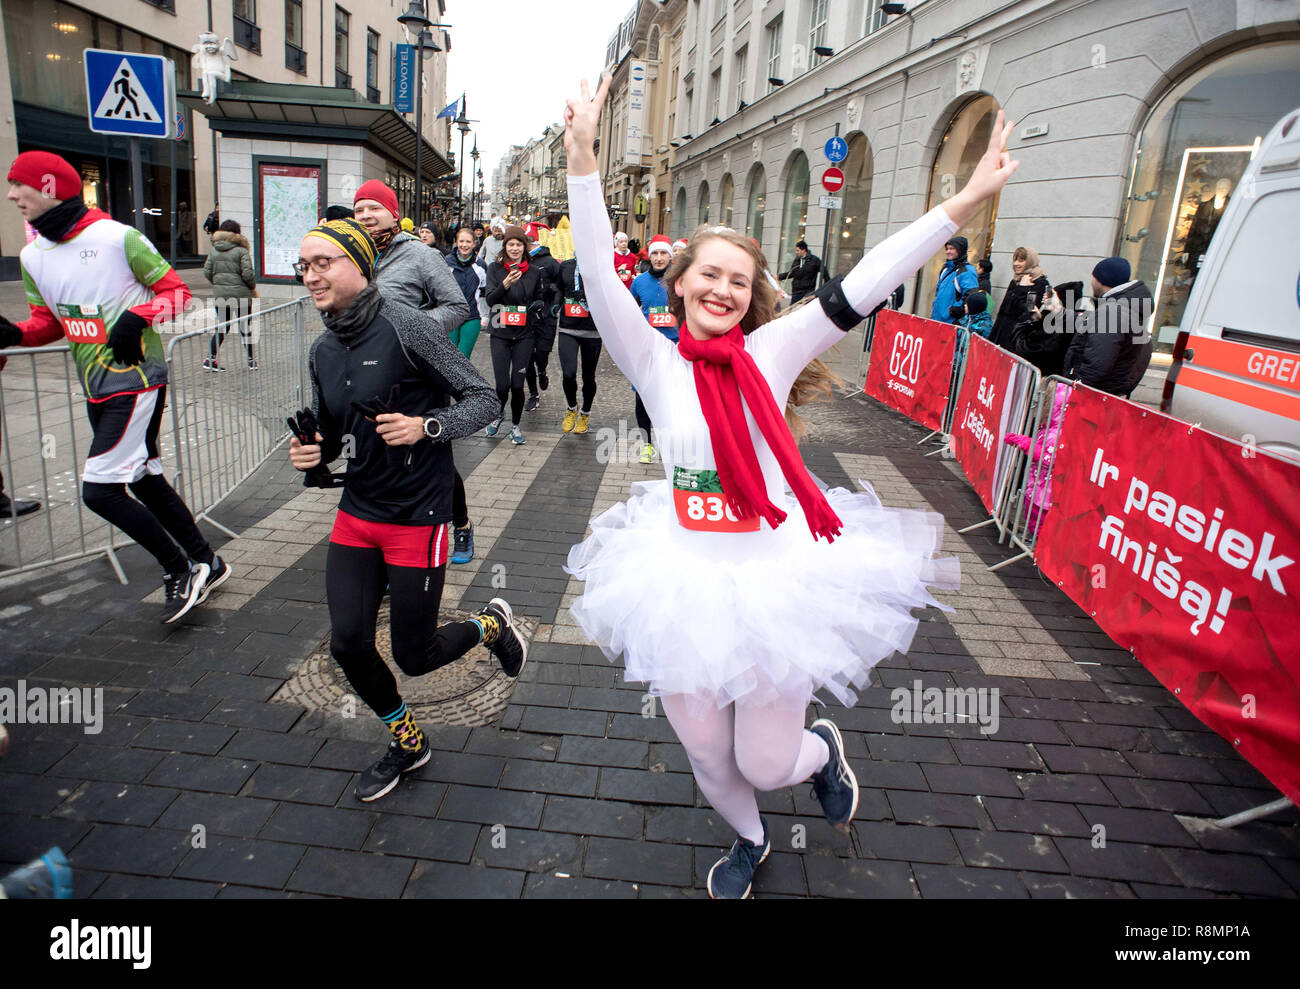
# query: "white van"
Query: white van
1236,362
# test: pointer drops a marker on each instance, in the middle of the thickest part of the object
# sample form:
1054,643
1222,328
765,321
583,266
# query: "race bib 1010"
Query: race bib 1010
82,324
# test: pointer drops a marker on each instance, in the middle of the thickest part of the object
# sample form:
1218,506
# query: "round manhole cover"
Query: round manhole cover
469,692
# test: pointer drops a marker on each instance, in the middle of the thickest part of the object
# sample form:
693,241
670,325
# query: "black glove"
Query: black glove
305,428
956,312
10,335
124,339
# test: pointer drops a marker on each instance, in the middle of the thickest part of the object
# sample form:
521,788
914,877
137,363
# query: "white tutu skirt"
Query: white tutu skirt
763,618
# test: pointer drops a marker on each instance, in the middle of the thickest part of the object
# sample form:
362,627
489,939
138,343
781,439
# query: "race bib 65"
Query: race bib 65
514,316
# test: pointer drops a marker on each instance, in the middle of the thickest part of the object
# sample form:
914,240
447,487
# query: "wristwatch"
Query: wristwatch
437,430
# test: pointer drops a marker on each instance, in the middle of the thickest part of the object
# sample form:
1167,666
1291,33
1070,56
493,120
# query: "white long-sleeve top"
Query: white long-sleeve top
781,349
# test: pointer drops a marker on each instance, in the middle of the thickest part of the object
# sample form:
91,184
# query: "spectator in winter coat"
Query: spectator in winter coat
230,270
976,320
956,278
1038,478
804,272
984,269
1112,348
1029,286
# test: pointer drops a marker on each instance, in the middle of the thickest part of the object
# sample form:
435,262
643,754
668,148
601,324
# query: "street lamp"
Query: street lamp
462,124
415,20
473,198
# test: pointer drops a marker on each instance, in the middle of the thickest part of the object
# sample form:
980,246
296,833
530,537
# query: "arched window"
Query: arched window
964,143
728,207
849,225
757,205
704,202
679,215
794,217
1188,157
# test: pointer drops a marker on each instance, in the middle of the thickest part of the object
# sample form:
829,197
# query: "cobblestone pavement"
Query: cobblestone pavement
201,785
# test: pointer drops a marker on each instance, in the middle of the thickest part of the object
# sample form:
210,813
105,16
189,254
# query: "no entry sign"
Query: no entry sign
833,179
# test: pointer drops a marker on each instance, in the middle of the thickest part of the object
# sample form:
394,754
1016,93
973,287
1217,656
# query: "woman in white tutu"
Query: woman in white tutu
716,586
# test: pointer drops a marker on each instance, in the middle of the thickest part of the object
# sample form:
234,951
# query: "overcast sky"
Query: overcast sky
518,60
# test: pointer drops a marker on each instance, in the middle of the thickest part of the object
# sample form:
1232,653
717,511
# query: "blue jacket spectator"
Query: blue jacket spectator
955,280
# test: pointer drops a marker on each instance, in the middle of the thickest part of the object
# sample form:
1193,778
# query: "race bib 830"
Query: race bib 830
701,505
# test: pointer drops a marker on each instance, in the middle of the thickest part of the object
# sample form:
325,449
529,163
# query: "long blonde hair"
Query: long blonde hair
816,382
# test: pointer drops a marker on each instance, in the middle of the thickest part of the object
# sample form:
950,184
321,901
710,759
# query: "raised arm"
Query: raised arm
632,342
801,335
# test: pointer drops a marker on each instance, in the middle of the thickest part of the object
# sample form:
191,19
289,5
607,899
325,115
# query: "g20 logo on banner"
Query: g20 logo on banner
905,357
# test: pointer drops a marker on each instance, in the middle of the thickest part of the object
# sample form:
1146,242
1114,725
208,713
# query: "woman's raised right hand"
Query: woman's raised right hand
581,116
304,457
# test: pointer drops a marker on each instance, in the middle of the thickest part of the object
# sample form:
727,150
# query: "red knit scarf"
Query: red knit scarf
725,374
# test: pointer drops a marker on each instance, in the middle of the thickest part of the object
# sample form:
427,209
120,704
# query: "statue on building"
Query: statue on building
211,62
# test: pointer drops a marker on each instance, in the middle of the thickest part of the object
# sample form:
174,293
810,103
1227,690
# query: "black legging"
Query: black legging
570,347
510,359
537,366
227,311
459,504
354,583
159,516
643,418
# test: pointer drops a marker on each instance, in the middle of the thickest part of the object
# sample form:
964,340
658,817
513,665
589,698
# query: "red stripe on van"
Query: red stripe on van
1271,367
1242,392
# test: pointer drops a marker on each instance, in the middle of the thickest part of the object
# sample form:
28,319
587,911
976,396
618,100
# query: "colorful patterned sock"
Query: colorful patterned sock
488,628
405,731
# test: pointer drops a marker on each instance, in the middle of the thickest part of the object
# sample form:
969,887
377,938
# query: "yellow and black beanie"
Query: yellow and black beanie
353,238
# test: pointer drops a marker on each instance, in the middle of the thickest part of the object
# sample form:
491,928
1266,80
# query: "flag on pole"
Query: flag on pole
449,111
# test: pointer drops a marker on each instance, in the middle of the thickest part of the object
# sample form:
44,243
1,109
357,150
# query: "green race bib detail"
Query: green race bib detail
696,479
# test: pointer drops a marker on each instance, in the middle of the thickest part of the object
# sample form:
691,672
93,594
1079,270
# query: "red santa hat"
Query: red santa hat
661,243
534,229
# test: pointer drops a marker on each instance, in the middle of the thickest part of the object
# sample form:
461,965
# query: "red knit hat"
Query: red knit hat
660,239
41,168
380,193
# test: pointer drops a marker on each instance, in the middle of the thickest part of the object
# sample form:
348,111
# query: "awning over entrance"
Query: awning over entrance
315,113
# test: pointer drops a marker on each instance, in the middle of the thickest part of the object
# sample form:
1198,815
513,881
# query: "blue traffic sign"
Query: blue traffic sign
837,149
130,94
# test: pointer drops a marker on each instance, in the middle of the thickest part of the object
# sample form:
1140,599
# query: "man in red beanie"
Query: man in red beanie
407,271
103,285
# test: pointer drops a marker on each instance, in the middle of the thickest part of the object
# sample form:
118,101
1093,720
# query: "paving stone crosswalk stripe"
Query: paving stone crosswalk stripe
993,625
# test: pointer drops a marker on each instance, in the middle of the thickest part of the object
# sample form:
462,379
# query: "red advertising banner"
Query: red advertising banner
911,365
979,420
1184,546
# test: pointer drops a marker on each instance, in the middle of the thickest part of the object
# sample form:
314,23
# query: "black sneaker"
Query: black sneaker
507,645
11,509
732,876
220,573
181,591
835,786
383,775
532,403
543,382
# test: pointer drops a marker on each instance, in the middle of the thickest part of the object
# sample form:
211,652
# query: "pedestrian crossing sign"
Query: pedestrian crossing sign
131,94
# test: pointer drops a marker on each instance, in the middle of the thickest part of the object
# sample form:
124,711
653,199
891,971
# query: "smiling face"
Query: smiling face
334,289
464,242
717,288
374,217
514,249
29,200
1018,265
950,252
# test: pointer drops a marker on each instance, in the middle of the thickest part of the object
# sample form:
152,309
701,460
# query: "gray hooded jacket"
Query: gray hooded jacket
413,274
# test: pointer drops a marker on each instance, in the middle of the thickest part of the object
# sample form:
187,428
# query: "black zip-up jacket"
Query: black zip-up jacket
532,291
804,271
573,287
405,485
1111,349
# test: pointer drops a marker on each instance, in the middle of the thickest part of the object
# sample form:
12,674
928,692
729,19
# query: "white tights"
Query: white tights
737,750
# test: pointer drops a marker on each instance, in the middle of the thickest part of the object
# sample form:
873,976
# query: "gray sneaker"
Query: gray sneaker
835,785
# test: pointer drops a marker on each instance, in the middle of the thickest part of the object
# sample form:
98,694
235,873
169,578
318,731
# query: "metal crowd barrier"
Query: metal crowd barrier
1027,400
45,435
226,423
224,426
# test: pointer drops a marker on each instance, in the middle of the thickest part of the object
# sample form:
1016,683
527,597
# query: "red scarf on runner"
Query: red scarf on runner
725,374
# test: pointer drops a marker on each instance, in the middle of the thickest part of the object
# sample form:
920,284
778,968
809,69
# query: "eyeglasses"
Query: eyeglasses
319,265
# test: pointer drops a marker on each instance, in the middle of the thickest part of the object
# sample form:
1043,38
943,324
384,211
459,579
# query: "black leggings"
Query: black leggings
537,366
643,418
153,521
354,583
230,310
510,359
459,504
570,347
